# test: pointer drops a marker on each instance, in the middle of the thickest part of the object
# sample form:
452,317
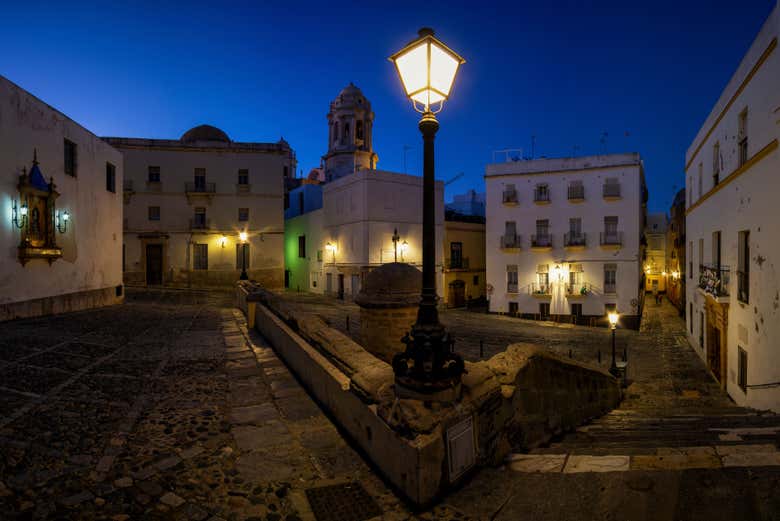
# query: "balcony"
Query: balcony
511,287
540,289
510,197
743,286
611,191
579,289
510,241
200,224
199,190
457,263
714,280
576,194
610,288
541,242
243,188
574,240
611,240
541,196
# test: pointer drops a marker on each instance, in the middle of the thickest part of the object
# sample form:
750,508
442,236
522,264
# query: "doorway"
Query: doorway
341,286
714,352
456,294
154,264
355,286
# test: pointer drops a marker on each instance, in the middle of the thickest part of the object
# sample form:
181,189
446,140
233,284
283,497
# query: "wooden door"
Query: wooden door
153,264
341,286
456,296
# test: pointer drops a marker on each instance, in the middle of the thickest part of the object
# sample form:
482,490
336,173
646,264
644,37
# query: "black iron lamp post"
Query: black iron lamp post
243,238
429,365
613,319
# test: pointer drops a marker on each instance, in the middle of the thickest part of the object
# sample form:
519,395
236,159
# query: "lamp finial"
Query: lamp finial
425,31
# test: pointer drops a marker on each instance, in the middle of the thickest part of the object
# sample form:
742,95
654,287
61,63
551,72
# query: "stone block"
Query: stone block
577,464
537,463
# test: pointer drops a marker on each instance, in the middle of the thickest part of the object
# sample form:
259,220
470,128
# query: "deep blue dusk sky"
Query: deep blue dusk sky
563,71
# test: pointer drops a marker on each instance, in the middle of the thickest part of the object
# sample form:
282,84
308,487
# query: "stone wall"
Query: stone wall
381,330
516,400
67,303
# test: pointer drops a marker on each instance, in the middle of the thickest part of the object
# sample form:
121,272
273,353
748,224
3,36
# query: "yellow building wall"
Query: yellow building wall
472,237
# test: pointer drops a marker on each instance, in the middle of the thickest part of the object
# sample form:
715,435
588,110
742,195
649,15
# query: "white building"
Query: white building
329,249
61,226
563,237
655,264
187,202
732,229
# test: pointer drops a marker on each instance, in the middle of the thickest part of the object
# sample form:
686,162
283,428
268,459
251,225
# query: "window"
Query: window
510,194
701,329
542,278
475,281
576,190
575,278
110,177
300,202
243,214
715,165
743,137
690,192
690,260
542,193
610,225
510,235
701,256
456,255
742,369
154,213
359,129
346,133
701,173
71,158
301,246
611,187
199,220
200,256
286,200
511,278
690,316
743,267
575,226
243,176
716,250
543,230
319,255
154,174
200,179
240,259
610,278
286,171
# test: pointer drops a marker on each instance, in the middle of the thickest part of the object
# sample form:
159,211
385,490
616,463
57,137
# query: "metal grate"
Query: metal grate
344,502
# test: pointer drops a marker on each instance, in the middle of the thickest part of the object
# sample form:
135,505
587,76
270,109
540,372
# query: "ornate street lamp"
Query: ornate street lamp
395,240
243,237
613,320
428,366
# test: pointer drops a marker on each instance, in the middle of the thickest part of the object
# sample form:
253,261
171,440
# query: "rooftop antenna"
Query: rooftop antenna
603,142
510,154
406,148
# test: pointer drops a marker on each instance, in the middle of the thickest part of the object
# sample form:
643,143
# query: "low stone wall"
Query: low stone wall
380,327
66,303
516,400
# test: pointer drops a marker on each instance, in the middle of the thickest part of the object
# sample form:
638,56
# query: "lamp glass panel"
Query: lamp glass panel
413,68
428,97
443,69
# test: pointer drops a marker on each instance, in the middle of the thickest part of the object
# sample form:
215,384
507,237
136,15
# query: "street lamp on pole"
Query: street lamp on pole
243,237
429,365
613,319
395,240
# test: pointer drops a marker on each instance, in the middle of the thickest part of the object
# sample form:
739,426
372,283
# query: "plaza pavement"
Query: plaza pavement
167,407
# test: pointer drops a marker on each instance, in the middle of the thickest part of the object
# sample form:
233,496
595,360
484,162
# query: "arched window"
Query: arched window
35,222
336,132
359,129
346,132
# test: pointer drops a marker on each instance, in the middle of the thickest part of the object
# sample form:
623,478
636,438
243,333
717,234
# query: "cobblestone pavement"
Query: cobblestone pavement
165,407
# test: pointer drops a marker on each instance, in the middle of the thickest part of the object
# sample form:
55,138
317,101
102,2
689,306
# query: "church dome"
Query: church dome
395,284
204,133
351,96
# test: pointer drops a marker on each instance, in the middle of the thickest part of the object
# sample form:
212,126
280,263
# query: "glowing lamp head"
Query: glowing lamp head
222,241
23,210
65,216
404,246
613,318
427,69
243,236
330,247
663,273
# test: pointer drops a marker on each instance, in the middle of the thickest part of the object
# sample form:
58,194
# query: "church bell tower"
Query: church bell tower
350,126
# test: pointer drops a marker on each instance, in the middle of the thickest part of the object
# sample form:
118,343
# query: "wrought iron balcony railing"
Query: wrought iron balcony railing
200,224
580,288
457,263
541,196
714,279
574,239
576,192
510,241
611,238
510,196
200,188
541,241
743,286
610,288
511,287
611,189
539,288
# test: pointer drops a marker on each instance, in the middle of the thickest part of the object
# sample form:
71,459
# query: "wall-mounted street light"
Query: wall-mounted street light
428,366
613,320
243,237
331,247
19,215
62,221
223,241
404,249
395,240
